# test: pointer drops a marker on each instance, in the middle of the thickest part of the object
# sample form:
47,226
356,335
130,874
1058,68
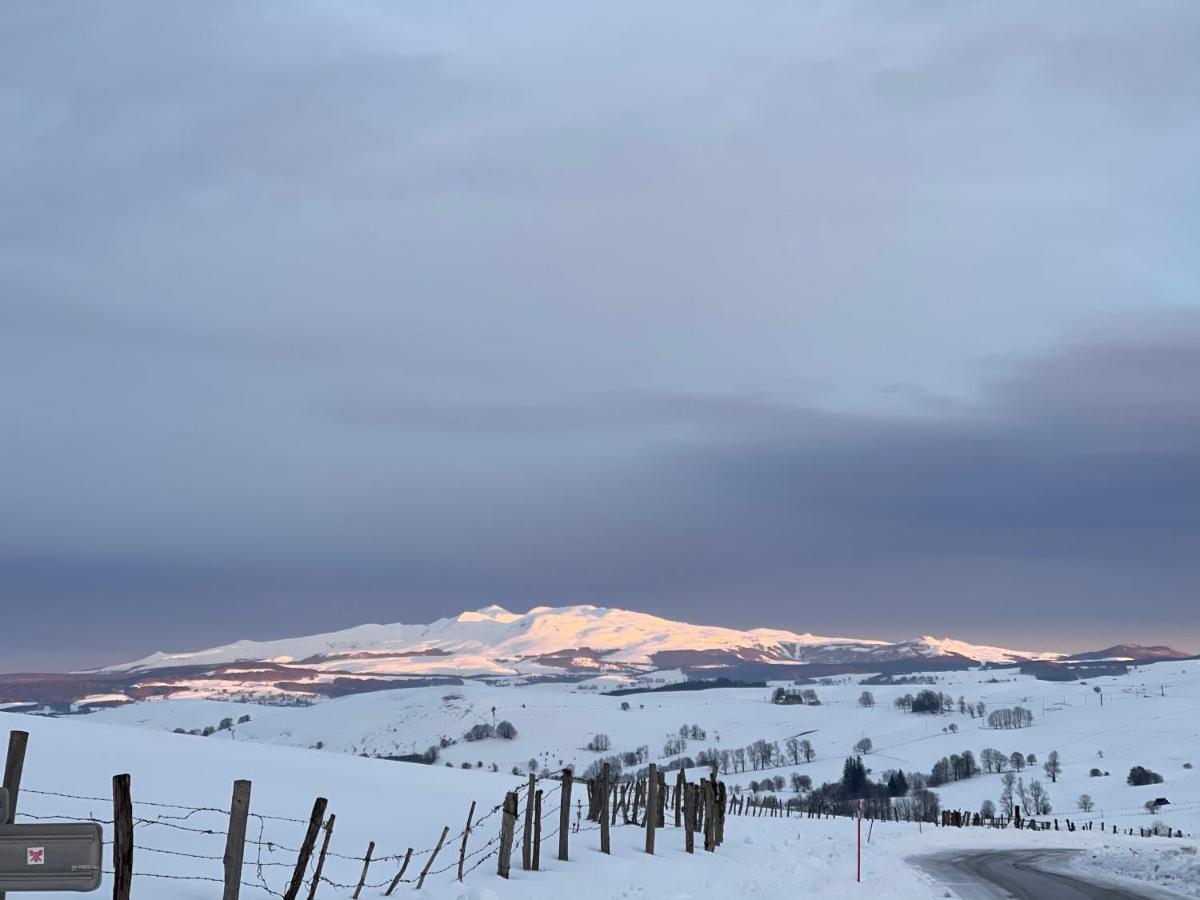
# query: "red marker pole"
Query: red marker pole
859,876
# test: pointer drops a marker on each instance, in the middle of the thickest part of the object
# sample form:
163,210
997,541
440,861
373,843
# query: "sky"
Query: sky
862,319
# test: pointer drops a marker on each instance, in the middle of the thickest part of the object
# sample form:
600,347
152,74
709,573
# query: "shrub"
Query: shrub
927,702
625,706
1095,773
1140,775
600,743
479,732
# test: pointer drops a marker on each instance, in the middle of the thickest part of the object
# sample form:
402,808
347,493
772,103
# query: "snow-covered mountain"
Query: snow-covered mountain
620,647
545,640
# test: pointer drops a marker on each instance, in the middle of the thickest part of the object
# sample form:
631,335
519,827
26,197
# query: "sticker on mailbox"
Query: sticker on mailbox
35,856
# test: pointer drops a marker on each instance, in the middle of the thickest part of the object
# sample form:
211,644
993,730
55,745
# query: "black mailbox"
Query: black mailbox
50,857
3,805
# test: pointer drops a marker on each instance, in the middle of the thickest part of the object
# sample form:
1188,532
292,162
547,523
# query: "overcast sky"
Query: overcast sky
875,320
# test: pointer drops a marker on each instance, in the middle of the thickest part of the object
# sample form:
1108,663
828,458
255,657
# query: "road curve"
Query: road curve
1023,875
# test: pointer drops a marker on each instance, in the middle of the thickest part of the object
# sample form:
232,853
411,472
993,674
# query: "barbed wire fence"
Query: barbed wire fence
253,863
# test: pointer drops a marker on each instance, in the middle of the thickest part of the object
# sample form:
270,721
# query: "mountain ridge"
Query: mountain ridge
488,640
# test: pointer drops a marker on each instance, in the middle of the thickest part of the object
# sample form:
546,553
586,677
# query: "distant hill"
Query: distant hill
570,642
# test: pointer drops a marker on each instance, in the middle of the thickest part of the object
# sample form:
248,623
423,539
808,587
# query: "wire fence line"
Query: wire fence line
192,824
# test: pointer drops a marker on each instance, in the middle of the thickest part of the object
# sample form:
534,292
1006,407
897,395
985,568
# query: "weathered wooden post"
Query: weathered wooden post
433,856
310,839
316,879
122,837
651,806
680,782
722,800
362,879
235,840
508,825
14,765
689,817
710,817
537,831
400,874
604,845
699,823
616,805
564,815
661,806
527,835
637,797
462,849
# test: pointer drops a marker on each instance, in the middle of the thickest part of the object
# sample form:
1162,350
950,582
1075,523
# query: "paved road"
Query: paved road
1024,875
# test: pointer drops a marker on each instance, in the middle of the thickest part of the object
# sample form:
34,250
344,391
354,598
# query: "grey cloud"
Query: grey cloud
367,313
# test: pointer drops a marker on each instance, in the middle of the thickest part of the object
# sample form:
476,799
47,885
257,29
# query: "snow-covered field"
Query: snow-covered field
1150,717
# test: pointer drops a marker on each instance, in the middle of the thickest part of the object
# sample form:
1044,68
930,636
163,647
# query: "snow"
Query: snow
493,640
1176,867
1148,718
400,805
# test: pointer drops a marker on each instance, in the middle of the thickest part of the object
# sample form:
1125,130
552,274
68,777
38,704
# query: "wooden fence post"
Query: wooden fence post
689,817
14,764
564,815
316,879
651,806
710,817
663,793
122,837
462,849
527,834
604,845
362,879
433,856
310,839
235,841
537,831
508,824
722,800
400,874
680,781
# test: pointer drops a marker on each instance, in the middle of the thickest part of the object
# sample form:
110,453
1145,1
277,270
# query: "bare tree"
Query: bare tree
806,748
863,746
1009,780
1039,800
867,699
1085,803
1052,765
793,750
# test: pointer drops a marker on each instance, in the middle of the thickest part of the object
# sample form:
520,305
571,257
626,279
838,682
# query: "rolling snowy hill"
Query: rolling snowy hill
572,642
